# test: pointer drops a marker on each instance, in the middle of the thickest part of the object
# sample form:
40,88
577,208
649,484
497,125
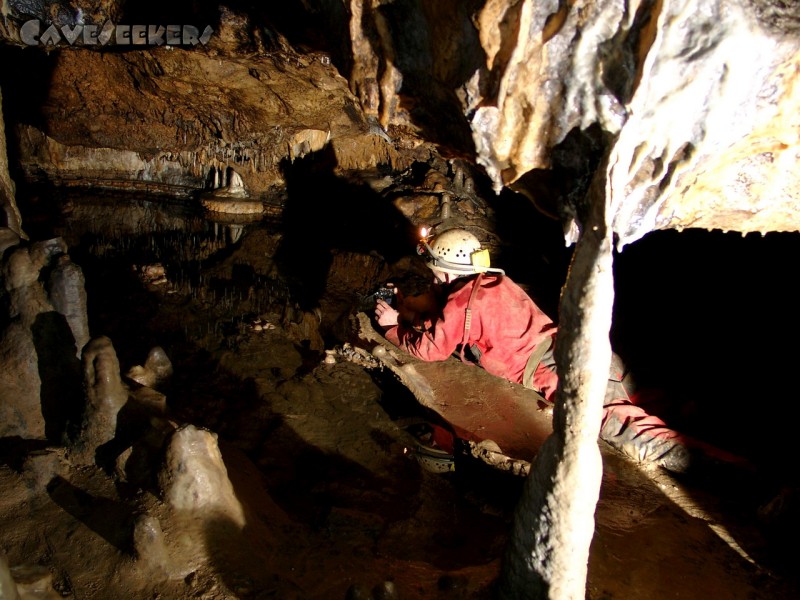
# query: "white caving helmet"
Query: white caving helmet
458,252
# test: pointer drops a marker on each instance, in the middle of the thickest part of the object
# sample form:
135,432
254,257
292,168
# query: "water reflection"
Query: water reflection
177,249
124,220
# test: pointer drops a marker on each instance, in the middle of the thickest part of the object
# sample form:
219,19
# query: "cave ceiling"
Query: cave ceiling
684,114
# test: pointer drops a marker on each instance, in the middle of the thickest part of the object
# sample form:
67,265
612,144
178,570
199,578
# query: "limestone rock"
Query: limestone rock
8,587
8,204
233,205
158,362
20,384
105,397
699,134
68,296
232,197
114,137
34,581
37,350
156,370
149,400
142,376
27,297
8,239
149,544
194,477
44,252
711,139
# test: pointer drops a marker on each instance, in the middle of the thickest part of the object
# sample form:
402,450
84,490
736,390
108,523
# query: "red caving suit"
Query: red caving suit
505,328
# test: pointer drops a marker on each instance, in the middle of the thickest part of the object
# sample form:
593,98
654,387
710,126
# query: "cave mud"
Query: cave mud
314,444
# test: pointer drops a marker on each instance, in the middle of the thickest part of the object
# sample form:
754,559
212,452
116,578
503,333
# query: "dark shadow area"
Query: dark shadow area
620,54
758,511
25,101
315,25
350,507
146,437
560,192
709,317
418,54
114,281
308,483
38,204
242,561
325,213
139,429
25,97
60,373
115,238
181,12
305,26
533,251
110,519
533,223
14,450
304,480
705,316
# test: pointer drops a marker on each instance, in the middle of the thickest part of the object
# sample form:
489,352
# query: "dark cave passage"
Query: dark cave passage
707,316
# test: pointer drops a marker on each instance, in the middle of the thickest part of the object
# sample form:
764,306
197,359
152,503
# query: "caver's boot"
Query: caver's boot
637,434
643,437
646,439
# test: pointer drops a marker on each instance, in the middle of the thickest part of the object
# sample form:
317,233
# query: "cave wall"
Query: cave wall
697,132
7,190
616,118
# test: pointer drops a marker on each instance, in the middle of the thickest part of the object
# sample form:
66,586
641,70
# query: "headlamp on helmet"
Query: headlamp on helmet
456,251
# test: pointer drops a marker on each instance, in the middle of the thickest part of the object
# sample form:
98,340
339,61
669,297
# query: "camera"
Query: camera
385,292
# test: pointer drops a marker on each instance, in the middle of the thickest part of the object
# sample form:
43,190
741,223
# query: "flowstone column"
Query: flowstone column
548,553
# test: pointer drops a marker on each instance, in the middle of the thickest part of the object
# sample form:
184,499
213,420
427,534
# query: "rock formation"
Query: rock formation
616,118
39,349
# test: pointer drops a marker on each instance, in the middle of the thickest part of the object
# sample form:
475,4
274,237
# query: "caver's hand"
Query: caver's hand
385,314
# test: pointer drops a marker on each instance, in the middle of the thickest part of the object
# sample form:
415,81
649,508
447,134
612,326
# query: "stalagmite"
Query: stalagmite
20,385
8,588
194,477
150,546
105,397
159,363
36,371
68,296
156,370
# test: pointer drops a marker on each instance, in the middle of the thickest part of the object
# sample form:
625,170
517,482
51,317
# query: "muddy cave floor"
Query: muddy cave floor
335,507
